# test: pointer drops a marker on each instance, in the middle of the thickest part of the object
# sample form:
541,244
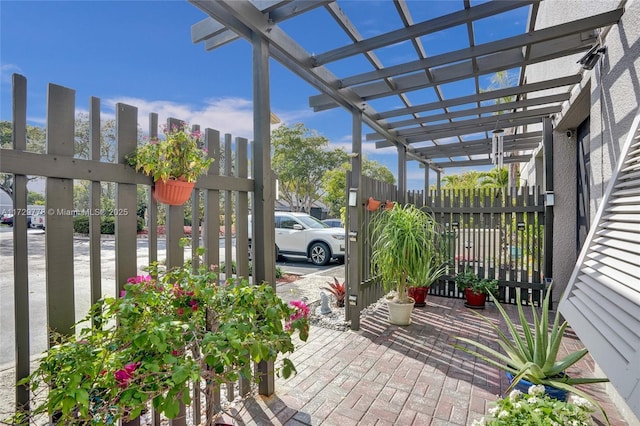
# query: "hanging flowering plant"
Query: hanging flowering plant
174,329
180,155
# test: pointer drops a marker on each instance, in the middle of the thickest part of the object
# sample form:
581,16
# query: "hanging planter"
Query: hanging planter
373,204
172,192
174,163
388,205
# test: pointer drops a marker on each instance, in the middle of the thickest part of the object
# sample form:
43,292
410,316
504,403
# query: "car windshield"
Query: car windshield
312,222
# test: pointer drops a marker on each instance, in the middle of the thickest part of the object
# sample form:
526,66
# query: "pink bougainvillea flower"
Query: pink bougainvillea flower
139,279
180,311
301,307
123,293
124,375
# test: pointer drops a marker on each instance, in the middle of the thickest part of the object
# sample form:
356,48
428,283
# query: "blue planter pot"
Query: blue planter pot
524,385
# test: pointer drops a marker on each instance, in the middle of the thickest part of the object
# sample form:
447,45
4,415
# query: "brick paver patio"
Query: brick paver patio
391,375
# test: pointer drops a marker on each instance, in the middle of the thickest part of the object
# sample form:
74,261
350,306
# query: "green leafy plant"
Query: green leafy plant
533,356
406,249
469,279
179,155
167,330
338,290
537,408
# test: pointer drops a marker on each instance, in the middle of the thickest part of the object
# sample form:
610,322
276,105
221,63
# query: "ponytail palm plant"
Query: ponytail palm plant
406,249
533,356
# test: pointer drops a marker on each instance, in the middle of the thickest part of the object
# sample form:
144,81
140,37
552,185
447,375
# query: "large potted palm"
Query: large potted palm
406,251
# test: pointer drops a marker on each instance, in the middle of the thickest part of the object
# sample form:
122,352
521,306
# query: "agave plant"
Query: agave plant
534,356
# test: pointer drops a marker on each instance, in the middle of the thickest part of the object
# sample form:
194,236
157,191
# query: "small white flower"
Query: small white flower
493,410
518,405
478,422
532,400
503,414
514,394
580,402
537,411
536,390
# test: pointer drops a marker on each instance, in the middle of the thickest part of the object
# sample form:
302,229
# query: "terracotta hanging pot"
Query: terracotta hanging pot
173,192
373,204
388,205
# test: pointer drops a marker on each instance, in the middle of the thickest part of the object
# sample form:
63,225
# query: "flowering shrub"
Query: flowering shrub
179,155
174,328
537,408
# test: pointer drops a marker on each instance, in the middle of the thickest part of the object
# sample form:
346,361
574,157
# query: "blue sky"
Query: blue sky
140,53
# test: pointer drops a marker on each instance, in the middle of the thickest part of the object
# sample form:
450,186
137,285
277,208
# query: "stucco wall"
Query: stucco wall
611,93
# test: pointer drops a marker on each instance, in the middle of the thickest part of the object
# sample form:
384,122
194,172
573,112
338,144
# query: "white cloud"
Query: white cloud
7,70
227,115
367,147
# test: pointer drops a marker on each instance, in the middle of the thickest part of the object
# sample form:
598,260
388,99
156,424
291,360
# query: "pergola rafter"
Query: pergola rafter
231,19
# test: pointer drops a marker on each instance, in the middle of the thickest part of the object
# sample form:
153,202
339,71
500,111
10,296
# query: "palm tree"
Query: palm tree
495,178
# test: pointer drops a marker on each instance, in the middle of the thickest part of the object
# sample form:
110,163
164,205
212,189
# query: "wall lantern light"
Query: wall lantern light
549,199
353,197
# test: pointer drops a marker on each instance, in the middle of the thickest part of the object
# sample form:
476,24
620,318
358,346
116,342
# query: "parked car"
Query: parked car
334,223
302,235
7,219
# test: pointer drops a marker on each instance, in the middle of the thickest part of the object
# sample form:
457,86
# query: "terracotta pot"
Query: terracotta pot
388,205
172,192
373,204
419,294
474,300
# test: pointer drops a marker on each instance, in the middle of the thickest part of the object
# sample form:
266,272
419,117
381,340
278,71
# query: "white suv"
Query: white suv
299,234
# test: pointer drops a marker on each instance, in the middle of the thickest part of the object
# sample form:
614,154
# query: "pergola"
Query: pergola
448,132
441,133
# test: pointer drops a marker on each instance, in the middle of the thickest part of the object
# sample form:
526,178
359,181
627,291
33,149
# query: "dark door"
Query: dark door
583,191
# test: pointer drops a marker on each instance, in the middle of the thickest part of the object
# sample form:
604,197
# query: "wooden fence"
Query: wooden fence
497,233
60,166
363,288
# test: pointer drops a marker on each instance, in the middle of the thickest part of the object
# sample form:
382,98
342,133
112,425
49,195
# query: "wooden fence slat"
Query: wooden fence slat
20,250
95,189
59,223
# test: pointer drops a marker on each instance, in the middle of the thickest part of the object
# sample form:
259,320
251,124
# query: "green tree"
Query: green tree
301,158
35,198
495,178
334,183
466,180
36,139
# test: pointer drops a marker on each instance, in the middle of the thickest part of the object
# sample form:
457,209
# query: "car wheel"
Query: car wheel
278,255
320,254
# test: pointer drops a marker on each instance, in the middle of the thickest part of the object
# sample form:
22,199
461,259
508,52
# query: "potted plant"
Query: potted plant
174,162
475,288
532,359
175,329
405,251
537,408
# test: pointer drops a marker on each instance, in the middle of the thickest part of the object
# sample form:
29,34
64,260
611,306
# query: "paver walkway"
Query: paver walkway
391,375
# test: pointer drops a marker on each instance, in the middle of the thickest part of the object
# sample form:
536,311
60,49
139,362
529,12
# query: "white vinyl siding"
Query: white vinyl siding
602,299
